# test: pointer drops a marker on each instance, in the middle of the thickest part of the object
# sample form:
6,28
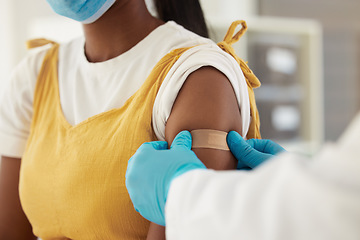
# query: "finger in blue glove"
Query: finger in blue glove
151,170
253,152
265,146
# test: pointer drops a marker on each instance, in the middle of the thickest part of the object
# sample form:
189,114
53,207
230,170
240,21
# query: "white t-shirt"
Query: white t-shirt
87,89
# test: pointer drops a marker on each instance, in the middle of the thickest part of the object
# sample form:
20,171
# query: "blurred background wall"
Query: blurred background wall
340,20
22,20
339,49
327,28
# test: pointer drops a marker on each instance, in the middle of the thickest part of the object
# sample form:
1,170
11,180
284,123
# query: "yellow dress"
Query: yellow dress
72,178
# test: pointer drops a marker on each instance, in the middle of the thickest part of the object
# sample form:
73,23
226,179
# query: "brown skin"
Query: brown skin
13,223
125,24
206,100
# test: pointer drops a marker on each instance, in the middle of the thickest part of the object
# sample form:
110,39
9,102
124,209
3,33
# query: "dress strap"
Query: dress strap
251,80
34,43
230,38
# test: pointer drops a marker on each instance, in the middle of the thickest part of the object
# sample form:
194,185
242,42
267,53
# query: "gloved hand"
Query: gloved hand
253,152
151,170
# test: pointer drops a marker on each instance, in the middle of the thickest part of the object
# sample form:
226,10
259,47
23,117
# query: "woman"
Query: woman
74,113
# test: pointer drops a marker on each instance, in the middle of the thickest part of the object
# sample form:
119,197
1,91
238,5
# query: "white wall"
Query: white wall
23,20
229,10
7,58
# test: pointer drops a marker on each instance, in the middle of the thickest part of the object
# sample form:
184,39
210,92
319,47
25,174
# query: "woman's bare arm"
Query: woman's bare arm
13,223
206,101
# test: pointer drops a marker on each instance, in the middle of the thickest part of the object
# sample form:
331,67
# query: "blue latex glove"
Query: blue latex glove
151,170
253,152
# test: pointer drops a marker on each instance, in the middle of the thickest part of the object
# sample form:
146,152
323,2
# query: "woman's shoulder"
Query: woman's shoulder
34,57
179,37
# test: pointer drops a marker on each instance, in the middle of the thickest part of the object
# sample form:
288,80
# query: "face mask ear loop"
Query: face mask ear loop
230,38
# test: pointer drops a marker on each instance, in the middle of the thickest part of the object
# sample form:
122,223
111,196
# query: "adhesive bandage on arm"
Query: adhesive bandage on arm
208,138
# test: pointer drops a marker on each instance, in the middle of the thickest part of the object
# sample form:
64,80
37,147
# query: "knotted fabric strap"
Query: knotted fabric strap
34,43
251,80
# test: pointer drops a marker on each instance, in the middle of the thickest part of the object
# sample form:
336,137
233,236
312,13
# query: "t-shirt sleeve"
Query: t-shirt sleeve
190,61
16,104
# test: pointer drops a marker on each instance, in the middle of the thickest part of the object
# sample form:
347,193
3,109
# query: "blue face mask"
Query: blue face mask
84,11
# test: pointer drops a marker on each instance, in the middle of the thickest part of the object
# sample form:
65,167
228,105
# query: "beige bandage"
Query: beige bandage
208,138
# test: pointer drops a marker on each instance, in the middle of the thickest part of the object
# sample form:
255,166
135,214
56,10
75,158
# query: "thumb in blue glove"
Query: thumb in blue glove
253,152
151,170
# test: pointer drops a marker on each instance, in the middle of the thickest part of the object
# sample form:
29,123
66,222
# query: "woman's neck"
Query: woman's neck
125,24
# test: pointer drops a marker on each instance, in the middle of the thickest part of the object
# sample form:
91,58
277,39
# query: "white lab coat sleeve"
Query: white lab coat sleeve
287,198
